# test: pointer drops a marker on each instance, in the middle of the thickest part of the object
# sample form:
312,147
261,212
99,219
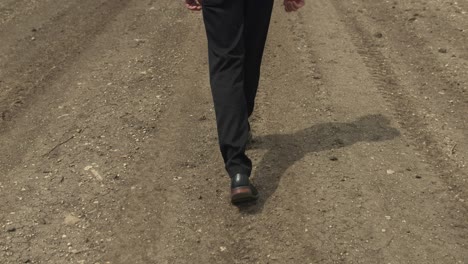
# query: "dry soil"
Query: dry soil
109,150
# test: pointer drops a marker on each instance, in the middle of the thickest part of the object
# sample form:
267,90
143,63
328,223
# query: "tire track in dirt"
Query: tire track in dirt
98,100
342,207
423,139
23,22
437,85
296,215
11,10
30,66
396,96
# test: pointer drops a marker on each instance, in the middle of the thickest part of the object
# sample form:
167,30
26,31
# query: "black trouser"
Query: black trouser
236,31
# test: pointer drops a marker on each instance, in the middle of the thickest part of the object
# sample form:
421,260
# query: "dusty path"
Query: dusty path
109,150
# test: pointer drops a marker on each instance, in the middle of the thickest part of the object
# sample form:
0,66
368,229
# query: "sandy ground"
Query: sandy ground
109,151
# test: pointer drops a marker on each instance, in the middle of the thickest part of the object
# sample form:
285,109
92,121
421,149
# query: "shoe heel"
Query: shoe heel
242,194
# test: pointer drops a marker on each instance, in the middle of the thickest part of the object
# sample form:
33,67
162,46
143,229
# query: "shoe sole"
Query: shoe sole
242,195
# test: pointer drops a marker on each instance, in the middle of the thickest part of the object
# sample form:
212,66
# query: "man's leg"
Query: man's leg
224,23
257,21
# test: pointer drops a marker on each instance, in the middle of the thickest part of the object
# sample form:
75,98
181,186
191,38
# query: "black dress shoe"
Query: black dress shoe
242,190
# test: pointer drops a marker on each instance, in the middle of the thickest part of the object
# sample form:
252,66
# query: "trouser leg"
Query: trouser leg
257,21
224,23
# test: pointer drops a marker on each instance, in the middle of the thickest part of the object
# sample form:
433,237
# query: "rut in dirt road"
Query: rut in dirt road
32,55
110,155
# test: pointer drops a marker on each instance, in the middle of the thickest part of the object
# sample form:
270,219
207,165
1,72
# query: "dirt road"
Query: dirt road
109,151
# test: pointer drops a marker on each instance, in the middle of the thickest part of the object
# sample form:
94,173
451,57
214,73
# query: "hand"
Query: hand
293,5
194,5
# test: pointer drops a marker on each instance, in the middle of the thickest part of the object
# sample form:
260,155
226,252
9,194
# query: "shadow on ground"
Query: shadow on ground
284,150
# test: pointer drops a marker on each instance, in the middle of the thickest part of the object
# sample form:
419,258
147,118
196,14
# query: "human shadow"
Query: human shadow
283,150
